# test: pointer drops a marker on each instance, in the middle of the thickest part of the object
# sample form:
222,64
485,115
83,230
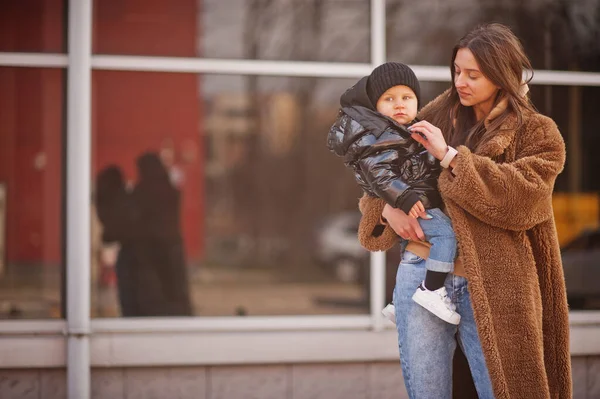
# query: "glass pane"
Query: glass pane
559,36
31,168
33,26
301,30
238,209
577,194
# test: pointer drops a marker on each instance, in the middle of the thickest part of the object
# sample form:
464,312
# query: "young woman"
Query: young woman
501,159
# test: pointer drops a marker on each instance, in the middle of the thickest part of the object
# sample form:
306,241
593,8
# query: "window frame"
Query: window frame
216,341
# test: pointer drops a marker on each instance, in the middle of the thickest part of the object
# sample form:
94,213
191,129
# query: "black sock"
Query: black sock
434,280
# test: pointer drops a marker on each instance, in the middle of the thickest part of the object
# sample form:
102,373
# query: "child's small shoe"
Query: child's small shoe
437,302
390,312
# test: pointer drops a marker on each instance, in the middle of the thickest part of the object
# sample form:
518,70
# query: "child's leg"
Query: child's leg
431,294
439,233
434,280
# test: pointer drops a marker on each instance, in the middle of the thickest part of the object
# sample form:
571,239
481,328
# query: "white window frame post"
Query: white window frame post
78,167
378,263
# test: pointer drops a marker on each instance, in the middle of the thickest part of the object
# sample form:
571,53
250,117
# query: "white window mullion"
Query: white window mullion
221,66
378,42
377,260
37,60
425,73
78,166
565,78
232,324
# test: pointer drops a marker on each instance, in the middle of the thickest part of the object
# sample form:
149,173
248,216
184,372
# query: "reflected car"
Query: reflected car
581,263
338,248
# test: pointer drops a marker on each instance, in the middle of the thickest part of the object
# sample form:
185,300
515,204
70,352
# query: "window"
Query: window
560,36
255,228
31,193
577,190
235,29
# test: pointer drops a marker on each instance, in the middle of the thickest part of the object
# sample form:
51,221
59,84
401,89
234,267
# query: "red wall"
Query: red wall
30,162
132,112
31,127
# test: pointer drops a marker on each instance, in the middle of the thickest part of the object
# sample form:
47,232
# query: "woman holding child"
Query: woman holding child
499,159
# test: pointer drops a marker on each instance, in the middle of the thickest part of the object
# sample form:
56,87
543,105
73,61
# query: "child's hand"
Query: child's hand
418,210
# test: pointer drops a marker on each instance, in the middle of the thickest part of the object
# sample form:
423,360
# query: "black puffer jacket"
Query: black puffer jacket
388,163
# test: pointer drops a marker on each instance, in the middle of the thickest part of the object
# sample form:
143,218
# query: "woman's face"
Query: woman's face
474,89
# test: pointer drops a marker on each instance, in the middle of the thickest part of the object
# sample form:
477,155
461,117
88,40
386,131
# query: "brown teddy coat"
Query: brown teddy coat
500,202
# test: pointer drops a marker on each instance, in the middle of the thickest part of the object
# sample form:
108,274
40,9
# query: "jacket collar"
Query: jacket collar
357,96
506,132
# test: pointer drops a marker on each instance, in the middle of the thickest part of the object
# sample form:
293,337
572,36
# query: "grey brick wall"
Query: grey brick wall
294,381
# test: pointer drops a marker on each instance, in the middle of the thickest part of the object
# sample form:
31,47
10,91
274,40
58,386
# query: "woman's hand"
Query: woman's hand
405,226
433,141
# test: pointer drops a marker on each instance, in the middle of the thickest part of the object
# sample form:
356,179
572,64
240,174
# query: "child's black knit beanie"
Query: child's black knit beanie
389,75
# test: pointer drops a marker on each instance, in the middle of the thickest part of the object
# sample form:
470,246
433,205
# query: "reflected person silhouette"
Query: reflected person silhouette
160,241
117,213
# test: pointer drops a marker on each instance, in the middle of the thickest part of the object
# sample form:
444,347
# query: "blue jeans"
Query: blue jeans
427,343
439,233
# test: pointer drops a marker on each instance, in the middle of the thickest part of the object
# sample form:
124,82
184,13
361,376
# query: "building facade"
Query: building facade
210,117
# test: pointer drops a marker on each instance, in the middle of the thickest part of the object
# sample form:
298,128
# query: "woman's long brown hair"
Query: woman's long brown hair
502,60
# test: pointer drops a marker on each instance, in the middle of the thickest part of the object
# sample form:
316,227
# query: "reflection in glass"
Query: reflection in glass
150,269
267,215
555,35
267,30
581,261
31,188
32,26
577,191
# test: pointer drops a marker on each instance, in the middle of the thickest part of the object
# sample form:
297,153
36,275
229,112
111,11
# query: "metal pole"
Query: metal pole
78,198
378,57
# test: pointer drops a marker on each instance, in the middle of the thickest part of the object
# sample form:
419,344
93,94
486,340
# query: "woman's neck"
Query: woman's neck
482,110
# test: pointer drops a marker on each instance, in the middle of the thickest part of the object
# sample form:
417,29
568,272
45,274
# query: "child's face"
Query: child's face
399,103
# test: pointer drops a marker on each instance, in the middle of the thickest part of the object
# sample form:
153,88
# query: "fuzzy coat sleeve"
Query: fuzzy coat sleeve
515,195
372,235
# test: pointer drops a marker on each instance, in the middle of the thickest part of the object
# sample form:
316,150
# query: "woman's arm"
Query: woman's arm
513,196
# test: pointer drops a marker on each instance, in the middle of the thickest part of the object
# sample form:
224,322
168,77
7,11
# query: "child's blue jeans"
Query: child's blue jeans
439,233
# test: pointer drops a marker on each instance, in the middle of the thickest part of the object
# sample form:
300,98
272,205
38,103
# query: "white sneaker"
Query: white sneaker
437,302
390,312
